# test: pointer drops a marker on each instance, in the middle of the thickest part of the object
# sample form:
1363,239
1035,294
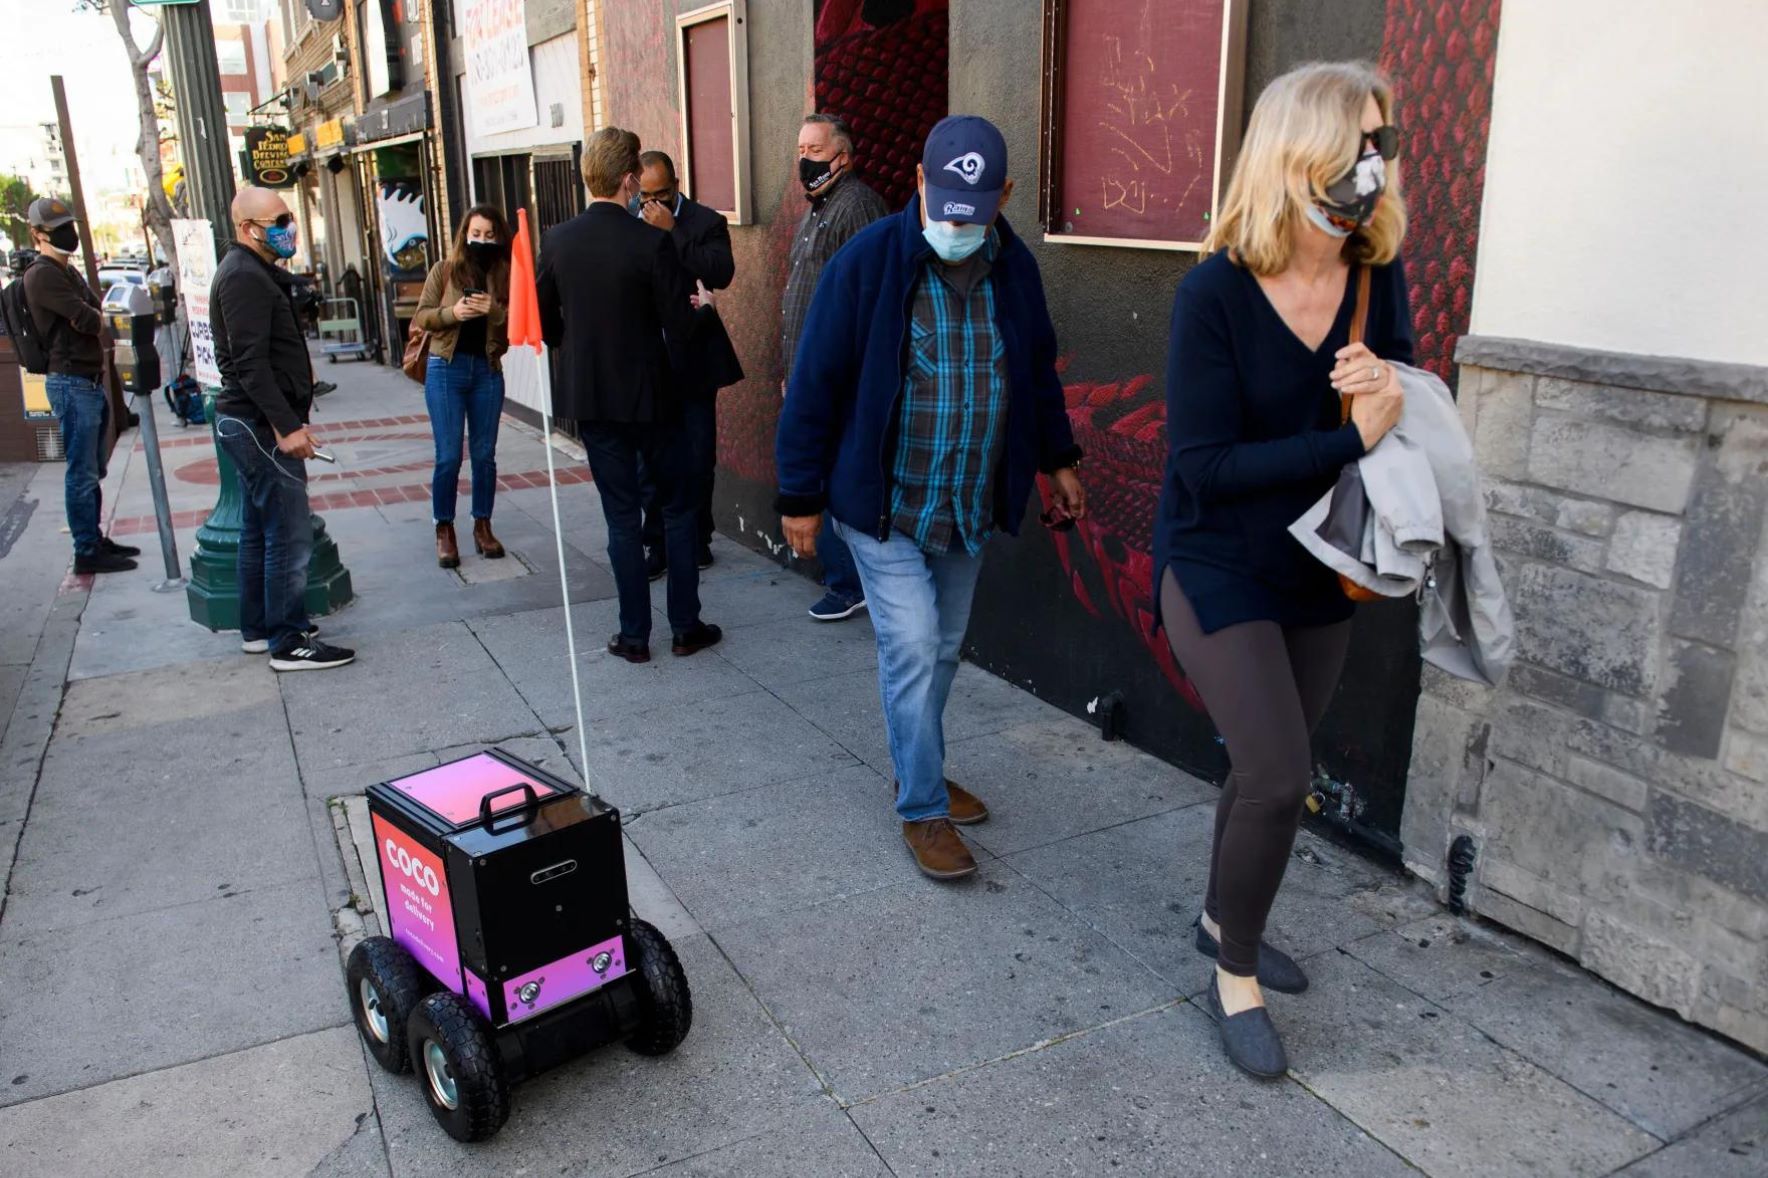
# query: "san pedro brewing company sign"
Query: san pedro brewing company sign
267,157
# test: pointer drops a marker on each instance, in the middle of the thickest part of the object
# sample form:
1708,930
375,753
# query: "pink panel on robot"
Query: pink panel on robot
565,979
454,790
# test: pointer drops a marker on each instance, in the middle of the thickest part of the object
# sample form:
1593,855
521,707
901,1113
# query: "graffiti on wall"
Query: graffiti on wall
405,231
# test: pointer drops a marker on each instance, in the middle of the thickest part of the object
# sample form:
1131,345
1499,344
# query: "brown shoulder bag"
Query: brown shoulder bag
1359,319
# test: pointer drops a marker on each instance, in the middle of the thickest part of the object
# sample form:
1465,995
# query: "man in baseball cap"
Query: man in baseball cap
66,314
922,406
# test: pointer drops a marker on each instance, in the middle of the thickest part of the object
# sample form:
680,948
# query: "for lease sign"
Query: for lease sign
500,76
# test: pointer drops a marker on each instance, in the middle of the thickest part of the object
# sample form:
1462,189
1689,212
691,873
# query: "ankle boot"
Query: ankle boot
447,551
484,541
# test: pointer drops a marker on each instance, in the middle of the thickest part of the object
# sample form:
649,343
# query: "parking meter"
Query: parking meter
129,313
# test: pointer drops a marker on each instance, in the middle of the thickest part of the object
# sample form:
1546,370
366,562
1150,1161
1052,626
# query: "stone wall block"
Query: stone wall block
1659,411
1574,695
1611,461
1669,888
1697,780
1529,734
1653,968
1501,434
1530,922
1497,875
1587,517
1623,789
1724,528
1708,843
1644,547
1746,754
1587,627
1441,735
1695,699
1573,841
1629,715
1547,544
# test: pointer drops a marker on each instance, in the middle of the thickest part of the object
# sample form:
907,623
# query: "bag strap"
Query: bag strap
1359,320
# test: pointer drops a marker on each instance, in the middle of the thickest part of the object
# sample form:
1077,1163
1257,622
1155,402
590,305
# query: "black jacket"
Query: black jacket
703,243
266,375
613,305
66,313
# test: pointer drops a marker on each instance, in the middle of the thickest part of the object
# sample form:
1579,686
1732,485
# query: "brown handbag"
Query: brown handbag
417,353
1359,318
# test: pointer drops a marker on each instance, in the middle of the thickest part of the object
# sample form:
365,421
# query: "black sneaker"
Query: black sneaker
101,562
310,654
656,564
322,387
262,645
106,544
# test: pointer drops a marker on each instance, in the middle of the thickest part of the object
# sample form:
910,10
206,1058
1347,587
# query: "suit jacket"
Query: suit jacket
703,243
613,309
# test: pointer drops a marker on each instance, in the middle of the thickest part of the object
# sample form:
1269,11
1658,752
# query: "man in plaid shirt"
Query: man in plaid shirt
841,204
923,404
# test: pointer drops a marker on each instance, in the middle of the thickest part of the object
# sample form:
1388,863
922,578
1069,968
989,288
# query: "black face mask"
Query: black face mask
487,254
65,238
815,175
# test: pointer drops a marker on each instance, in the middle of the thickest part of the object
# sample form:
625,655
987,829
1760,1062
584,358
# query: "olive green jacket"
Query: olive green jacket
435,314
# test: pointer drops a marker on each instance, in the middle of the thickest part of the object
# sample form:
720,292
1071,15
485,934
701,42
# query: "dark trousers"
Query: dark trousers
699,423
275,534
617,452
1266,687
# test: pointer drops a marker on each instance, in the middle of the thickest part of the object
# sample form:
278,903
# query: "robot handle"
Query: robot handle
530,799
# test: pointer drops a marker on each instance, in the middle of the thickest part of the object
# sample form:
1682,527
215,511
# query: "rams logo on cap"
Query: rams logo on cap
955,208
969,166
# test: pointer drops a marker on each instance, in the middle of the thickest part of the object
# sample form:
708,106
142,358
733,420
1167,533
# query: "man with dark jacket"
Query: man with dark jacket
65,313
613,308
261,421
702,240
923,405
840,205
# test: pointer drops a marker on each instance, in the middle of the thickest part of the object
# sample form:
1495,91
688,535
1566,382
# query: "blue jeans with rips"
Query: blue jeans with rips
920,608
81,409
463,393
275,534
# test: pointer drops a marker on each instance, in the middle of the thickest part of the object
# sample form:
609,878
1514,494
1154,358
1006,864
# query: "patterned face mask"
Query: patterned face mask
1351,199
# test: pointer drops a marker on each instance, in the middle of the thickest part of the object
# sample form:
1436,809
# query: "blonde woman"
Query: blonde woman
1259,357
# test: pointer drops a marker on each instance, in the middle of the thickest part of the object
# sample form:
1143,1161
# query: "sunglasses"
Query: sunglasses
282,221
1385,139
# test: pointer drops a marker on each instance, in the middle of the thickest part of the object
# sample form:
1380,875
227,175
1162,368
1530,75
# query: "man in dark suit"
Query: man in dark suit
613,307
702,240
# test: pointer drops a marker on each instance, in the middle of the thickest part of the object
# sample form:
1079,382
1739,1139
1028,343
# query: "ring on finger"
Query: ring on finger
1375,372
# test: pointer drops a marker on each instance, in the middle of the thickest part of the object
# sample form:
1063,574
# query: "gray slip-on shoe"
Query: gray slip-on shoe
1250,1038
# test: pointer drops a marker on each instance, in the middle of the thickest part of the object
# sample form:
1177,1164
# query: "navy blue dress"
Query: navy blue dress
1253,440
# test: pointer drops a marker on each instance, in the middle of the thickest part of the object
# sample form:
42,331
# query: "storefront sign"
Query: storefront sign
500,75
297,145
196,270
267,157
329,134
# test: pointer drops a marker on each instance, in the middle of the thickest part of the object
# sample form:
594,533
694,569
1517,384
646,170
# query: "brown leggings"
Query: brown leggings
1266,688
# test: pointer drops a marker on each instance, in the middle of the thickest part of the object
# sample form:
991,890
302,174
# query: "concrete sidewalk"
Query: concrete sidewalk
171,997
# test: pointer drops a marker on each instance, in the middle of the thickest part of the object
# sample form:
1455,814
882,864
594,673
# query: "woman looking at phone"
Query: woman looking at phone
465,308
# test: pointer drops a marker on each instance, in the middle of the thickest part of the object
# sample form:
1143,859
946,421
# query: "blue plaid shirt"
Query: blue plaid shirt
954,404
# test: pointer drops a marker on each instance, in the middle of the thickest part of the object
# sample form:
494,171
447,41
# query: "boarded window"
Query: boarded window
711,154
1141,116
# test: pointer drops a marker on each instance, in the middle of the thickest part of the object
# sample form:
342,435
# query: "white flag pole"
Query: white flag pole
552,486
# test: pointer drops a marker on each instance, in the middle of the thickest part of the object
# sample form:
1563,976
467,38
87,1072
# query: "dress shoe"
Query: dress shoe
703,634
633,650
106,544
447,551
938,850
704,559
966,809
1250,1038
484,543
656,564
1277,970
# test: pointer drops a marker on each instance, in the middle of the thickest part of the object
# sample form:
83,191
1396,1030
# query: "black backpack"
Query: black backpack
29,344
185,398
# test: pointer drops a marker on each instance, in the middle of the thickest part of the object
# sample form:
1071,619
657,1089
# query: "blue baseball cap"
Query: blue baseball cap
965,167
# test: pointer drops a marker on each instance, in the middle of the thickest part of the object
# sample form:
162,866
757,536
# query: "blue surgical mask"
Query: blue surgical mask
635,206
281,240
954,242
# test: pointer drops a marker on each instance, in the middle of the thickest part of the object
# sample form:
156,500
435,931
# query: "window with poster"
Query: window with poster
712,67
1141,119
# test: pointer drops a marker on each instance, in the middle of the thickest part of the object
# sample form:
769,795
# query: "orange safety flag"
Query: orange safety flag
524,299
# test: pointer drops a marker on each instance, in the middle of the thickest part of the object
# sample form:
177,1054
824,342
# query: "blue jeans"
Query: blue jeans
80,406
463,393
275,534
616,451
839,575
920,607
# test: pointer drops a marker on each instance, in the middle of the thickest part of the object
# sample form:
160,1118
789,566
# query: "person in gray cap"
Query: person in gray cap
923,405
66,314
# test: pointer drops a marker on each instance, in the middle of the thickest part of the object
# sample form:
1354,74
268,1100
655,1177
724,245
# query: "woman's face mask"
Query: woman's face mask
1350,200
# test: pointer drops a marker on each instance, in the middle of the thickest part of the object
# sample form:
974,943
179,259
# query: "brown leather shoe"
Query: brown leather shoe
484,542
938,850
633,650
447,551
966,808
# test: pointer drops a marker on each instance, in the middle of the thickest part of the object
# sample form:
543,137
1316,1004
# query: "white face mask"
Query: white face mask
954,242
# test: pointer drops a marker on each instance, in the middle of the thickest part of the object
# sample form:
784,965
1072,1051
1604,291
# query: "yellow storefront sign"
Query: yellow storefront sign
298,143
329,134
